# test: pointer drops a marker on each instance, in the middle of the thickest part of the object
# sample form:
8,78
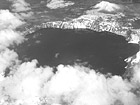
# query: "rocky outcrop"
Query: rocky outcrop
119,24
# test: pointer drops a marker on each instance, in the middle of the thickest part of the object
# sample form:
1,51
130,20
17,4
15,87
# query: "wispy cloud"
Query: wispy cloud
54,4
20,5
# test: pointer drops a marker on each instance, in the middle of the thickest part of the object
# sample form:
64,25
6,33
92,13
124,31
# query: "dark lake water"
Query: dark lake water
102,51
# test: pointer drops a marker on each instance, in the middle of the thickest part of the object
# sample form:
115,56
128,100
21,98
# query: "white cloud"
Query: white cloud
82,86
136,73
7,59
9,20
26,82
8,23
54,4
70,85
107,6
22,8
9,36
20,5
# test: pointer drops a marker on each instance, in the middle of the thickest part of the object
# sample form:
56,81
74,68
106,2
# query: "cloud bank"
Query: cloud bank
32,85
8,23
8,36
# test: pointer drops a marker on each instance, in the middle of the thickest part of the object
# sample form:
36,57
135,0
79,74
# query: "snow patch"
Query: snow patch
107,6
